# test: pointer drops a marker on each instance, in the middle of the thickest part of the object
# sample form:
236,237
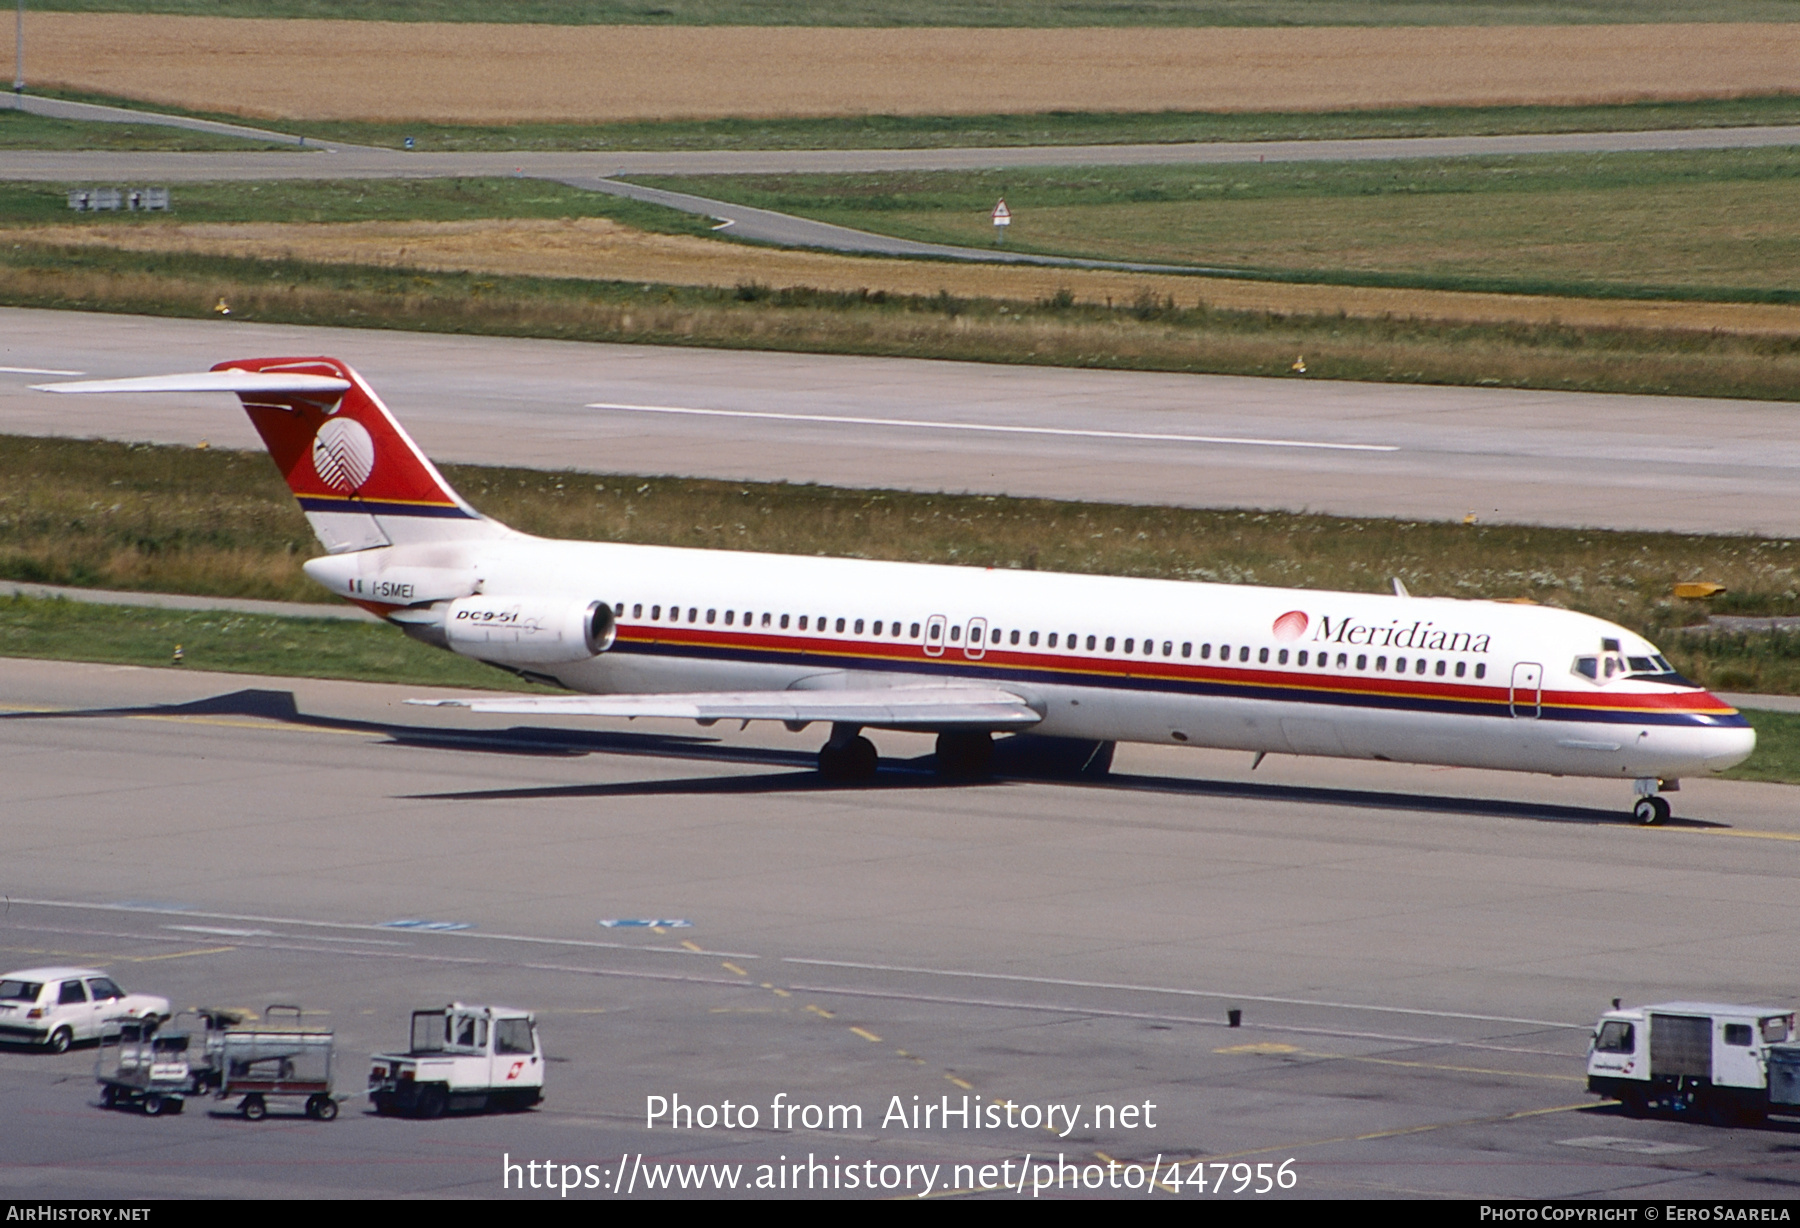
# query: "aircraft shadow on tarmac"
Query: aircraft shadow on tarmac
1018,759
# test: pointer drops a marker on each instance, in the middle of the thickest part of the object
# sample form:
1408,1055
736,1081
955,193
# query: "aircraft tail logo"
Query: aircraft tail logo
343,454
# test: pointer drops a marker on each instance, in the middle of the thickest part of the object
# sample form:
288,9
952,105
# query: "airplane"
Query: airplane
960,652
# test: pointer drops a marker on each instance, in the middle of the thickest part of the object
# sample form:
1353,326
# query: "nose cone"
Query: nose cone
1730,741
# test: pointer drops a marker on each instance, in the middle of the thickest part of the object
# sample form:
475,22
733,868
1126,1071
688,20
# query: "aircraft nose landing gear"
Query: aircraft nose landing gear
1651,810
848,756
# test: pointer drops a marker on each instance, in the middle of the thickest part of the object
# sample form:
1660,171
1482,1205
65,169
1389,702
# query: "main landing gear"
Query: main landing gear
848,756
1650,809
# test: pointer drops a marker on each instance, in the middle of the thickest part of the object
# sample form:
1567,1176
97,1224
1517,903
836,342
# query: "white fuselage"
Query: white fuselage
1485,684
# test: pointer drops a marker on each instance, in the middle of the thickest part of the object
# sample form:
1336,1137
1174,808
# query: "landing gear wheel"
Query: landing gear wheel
253,1108
60,1040
1651,811
964,755
321,1108
853,760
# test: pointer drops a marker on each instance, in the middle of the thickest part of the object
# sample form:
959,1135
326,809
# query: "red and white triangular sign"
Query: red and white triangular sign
1002,215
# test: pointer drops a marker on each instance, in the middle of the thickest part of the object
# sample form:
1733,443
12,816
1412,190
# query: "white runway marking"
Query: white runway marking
997,429
37,371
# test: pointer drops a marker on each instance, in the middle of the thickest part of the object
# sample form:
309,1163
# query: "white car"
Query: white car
55,1007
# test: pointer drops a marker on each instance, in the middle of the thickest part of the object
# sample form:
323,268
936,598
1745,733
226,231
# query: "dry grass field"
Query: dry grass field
483,74
601,250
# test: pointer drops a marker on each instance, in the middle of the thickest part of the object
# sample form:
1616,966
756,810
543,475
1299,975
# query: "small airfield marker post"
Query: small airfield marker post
1002,219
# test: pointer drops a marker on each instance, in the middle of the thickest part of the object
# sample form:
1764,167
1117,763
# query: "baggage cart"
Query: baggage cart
141,1066
279,1058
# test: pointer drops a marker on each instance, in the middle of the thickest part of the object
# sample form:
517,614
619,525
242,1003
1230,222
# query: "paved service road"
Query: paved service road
1418,953
363,162
1202,441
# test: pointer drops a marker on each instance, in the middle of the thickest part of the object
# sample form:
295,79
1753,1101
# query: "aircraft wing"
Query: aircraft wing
942,707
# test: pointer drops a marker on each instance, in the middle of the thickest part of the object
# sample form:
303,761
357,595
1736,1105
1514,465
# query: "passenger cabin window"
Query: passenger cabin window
1480,670
1362,661
1244,653
1460,667
784,622
1187,649
1616,1036
1206,652
915,632
655,612
1090,643
1738,1034
933,633
840,625
1128,644
730,615
859,626
1033,639
1301,658
1262,656
1281,658
1109,643
637,611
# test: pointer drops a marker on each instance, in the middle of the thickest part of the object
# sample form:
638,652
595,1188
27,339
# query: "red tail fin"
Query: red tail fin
358,475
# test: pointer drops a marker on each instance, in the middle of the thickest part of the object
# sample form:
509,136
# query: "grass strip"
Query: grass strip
205,521
1039,13
232,643
23,130
1777,755
1673,224
356,200
1147,334
963,131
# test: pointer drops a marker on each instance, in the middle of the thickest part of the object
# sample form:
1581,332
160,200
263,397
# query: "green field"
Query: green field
355,200
1700,224
971,12
20,130
932,132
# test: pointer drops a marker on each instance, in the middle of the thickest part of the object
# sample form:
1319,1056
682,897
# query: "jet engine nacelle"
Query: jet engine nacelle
528,630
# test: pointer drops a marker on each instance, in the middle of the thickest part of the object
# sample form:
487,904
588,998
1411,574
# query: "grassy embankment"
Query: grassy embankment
222,523
915,132
1038,13
1155,333
1704,224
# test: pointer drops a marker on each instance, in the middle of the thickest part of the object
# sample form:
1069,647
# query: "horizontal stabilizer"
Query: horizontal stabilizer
209,381
902,707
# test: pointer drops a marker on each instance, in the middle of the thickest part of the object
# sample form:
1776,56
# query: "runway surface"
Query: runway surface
1633,462
1418,953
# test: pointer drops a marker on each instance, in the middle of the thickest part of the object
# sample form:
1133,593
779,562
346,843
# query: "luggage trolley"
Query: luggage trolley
277,1059
140,1066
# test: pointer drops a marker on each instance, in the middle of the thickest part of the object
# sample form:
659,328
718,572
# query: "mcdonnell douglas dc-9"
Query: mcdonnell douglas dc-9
960,652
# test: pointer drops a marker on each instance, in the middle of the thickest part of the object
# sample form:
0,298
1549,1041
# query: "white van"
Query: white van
1707,1057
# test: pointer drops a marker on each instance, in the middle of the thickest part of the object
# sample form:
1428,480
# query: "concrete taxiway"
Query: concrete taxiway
1418,953
1633,462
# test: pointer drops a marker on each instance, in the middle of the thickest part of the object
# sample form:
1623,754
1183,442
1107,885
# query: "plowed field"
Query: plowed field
599,249
484,74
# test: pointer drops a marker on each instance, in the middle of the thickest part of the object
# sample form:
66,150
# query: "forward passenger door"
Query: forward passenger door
1527,690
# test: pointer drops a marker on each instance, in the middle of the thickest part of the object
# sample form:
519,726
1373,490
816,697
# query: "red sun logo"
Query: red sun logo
1290,626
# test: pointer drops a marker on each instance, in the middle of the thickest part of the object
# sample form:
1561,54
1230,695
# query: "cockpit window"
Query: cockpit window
1642,665
1588,667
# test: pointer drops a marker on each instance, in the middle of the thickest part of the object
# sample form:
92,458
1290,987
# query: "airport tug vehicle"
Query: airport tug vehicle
1719,1061
462,1058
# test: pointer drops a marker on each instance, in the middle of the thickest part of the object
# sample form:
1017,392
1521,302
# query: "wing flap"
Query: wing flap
908,707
